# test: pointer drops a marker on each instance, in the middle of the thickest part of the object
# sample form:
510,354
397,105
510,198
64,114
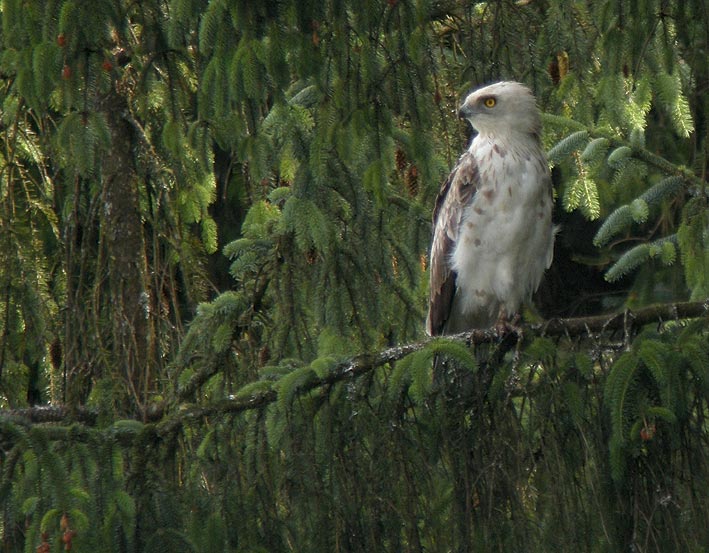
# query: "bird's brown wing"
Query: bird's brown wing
455,194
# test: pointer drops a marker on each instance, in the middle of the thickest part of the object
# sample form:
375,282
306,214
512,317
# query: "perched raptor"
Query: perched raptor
493,237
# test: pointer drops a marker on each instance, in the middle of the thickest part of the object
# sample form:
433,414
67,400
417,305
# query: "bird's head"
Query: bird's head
502,108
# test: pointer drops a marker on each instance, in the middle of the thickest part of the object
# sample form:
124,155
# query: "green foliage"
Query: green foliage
305,141
595,150
645,395
693,241
663,248
640,104
571,143
669,92
414,375
583,194
638,211
308,225
290,384
619,155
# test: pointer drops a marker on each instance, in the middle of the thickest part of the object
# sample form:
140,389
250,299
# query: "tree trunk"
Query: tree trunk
128,304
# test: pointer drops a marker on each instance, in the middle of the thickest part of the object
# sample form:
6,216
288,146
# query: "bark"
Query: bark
128,301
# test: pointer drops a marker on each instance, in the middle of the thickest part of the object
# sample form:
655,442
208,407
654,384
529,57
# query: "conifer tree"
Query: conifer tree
214,223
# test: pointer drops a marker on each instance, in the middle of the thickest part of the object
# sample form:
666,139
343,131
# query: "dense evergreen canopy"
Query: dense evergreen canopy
214,229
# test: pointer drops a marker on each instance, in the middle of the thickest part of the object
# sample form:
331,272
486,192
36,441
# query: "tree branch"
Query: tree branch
628,321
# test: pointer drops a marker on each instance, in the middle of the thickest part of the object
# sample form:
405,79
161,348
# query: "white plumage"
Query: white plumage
493,235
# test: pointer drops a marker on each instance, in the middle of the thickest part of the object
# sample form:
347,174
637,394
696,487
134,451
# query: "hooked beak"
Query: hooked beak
465,112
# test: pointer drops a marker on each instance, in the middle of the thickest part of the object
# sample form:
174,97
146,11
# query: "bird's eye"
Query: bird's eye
490,102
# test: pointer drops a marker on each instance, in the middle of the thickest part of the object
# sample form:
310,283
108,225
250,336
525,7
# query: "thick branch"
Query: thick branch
628,321
49,413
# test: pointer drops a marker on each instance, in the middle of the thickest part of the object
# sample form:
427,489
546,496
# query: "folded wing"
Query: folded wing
456,193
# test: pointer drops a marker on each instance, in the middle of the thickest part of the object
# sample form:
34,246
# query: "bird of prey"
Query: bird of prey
493,237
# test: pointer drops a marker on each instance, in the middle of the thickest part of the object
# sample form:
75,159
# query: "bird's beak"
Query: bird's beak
464,112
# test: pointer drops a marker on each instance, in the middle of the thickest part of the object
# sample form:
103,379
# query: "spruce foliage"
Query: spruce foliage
214,223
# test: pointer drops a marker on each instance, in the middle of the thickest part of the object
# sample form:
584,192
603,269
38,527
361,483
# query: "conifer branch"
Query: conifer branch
625,320
49,414
662,164
568,144
628,321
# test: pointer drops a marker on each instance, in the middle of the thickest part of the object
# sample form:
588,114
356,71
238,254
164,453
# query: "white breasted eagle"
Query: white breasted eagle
493,237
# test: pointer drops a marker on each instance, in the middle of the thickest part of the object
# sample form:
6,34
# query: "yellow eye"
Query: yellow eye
490,102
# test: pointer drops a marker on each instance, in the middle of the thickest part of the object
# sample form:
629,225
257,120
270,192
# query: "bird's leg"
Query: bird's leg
504,324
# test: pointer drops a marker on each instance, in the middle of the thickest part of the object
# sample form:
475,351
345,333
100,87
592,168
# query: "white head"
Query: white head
502,108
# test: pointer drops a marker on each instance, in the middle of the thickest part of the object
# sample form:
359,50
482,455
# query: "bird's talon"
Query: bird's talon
503,326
